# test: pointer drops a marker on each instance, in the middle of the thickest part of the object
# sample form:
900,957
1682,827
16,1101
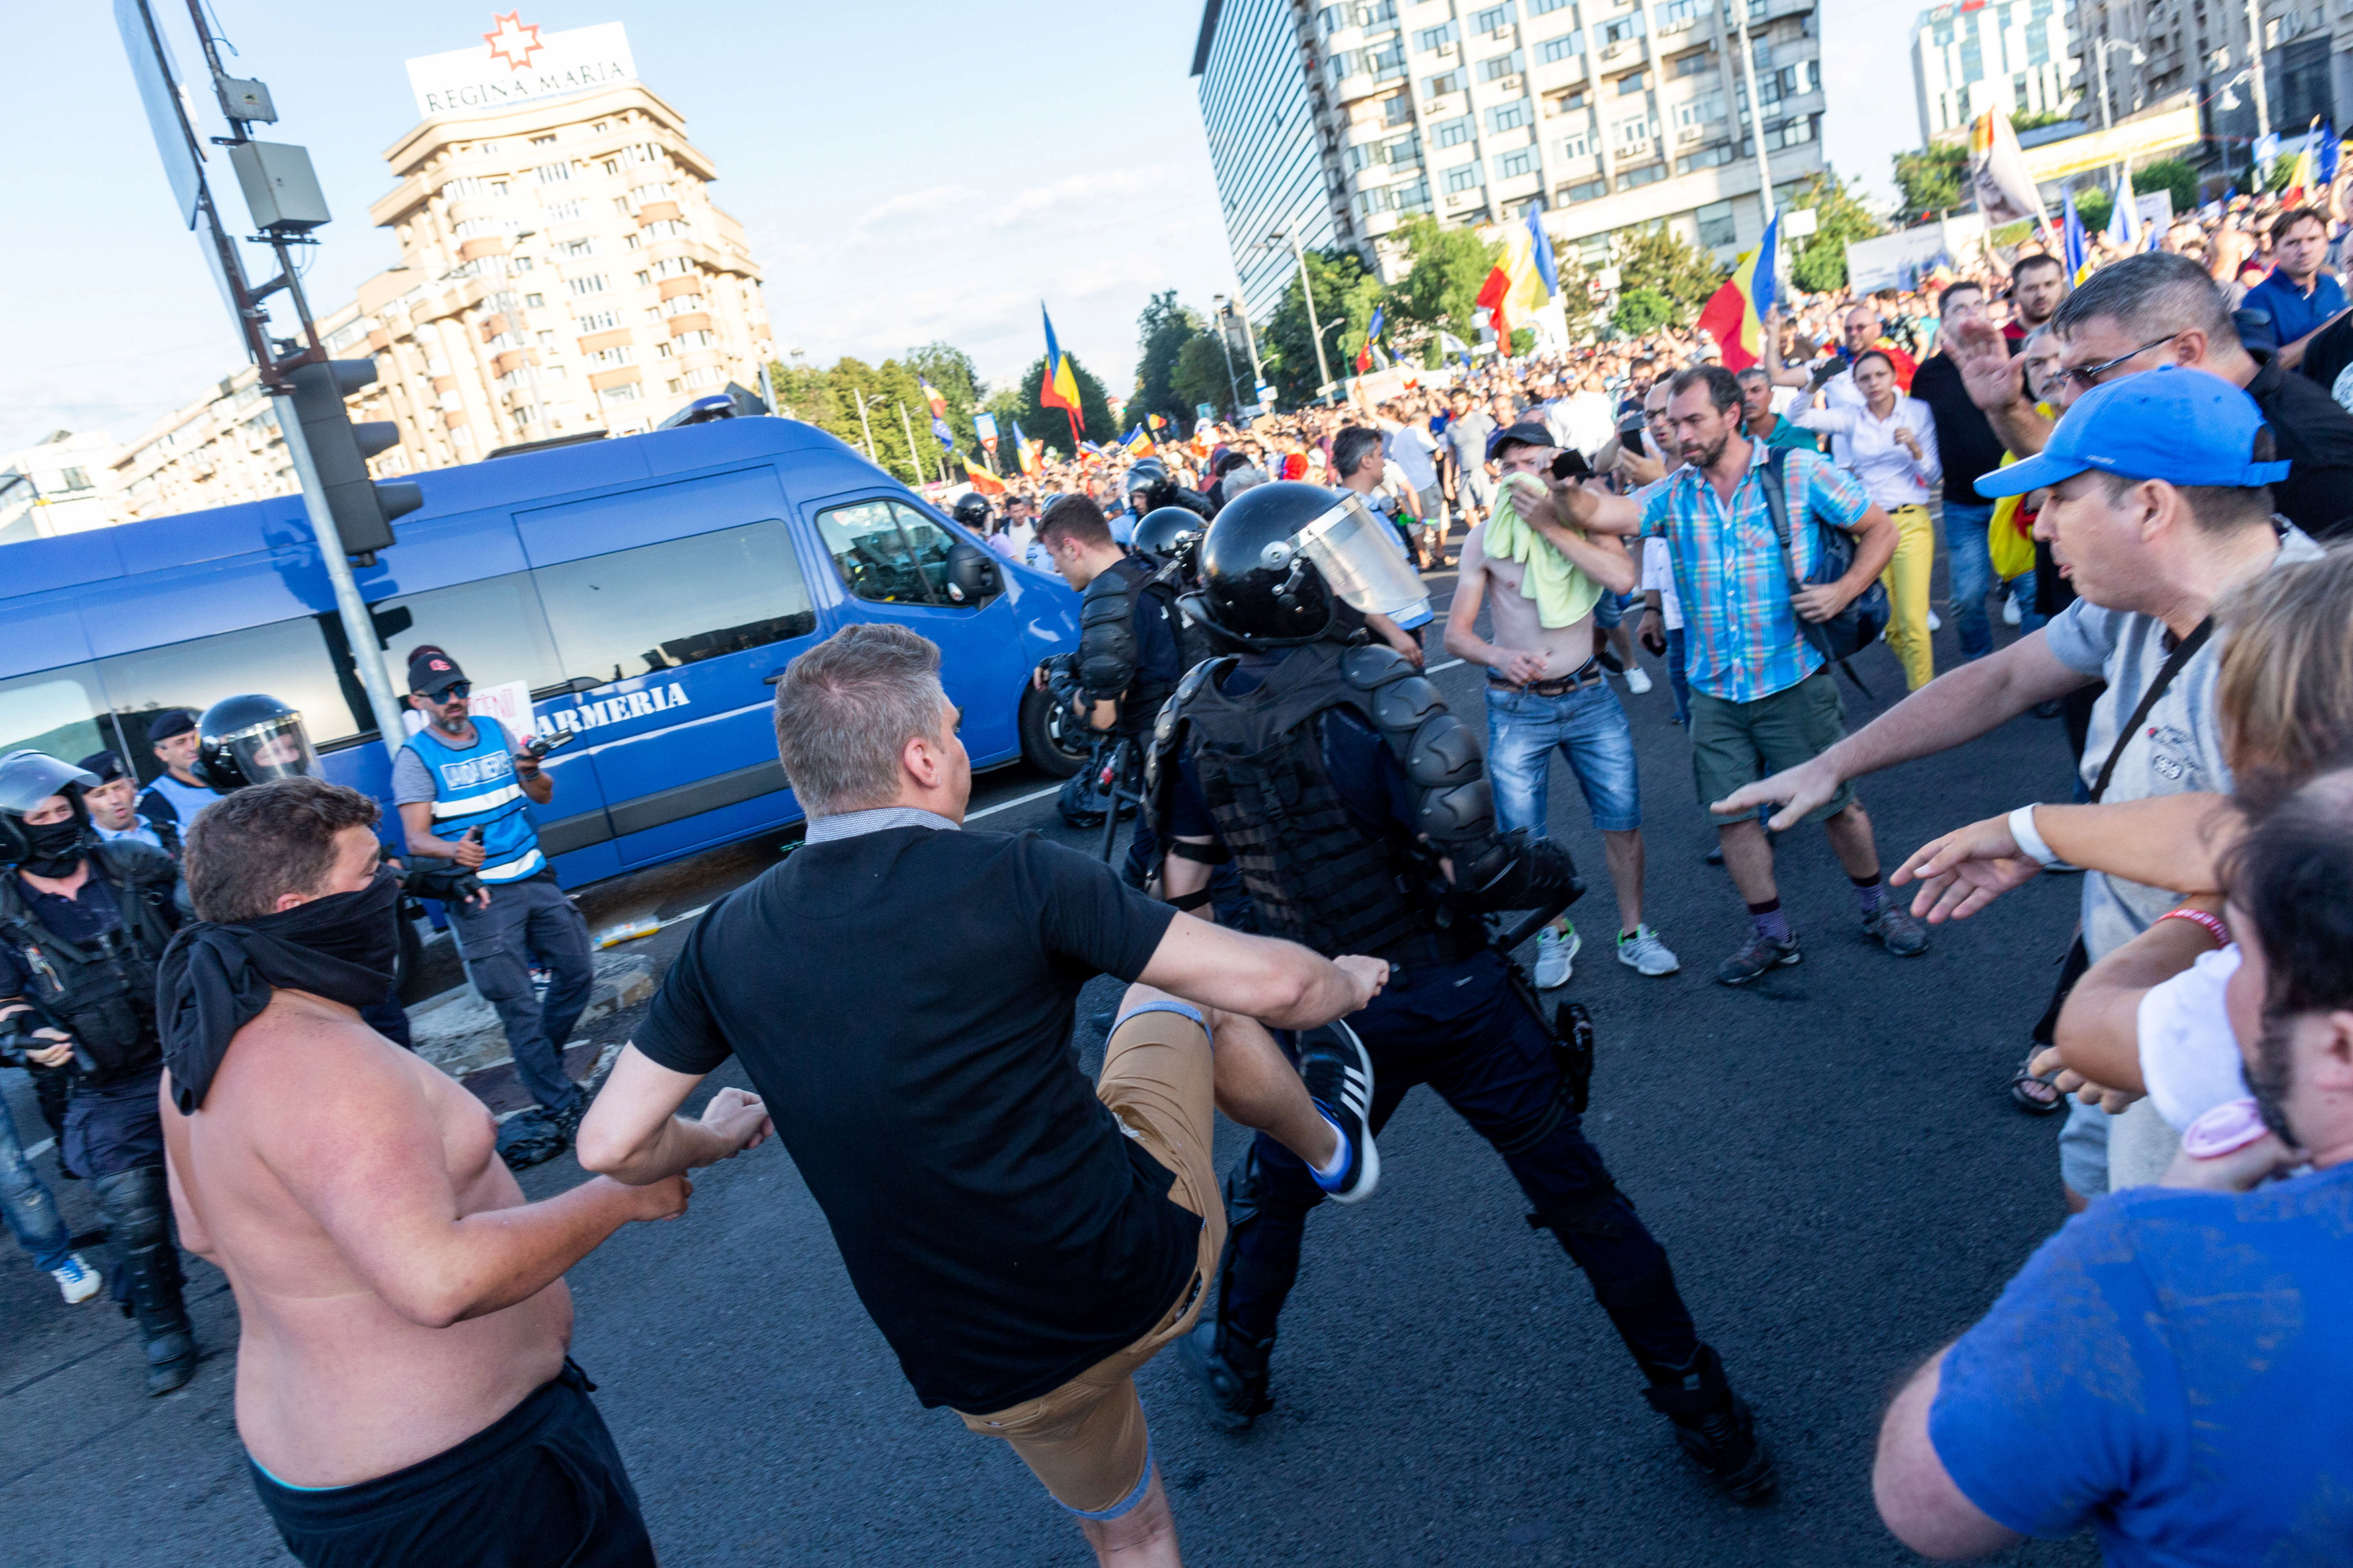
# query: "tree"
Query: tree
1838,216
2171,174
1052,426
1672,267
1933,181
829,399
1343,294
1200,376
1163,329
1642,310
2094,207
1444,269
951,370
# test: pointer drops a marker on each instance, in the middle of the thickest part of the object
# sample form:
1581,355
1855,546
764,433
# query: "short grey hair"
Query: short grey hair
1248,477
2148,296
847,707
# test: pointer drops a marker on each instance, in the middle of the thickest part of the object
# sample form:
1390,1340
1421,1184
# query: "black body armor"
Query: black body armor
102,990
1107,666
1316,874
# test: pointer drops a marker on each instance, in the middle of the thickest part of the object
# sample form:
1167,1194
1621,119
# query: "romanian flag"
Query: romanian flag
1156,422
2077,243
1734,317
931,395
1024,451
1524,281
2306,178
1138,444
1364,355
984,481
1060,387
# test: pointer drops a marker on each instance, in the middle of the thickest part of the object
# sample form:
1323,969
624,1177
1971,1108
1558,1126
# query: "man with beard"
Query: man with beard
2167,1369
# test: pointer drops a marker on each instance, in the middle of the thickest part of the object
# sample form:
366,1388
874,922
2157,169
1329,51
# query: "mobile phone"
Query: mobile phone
538,746
1571,465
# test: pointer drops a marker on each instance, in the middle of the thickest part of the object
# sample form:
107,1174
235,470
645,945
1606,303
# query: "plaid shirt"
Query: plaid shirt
1740,635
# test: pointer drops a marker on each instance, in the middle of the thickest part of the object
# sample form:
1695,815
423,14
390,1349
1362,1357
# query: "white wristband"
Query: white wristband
2021,829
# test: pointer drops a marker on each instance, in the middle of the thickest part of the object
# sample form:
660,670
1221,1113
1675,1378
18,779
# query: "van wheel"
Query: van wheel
1049,739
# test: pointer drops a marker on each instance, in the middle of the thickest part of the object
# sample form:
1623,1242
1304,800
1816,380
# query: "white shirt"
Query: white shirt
1659,572
1865,446
2190,1057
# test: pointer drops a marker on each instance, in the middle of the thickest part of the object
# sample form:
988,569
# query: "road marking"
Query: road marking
1009,804
36,1151
1450,664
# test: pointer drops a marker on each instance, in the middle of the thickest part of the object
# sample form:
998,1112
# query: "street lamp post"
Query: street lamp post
1755,112
1227,344
2255,69
1306,292
2100,49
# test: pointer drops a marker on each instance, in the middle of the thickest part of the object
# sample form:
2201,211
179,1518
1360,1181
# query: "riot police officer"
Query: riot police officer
1168,540
972,509
1128,660
1149,486
1382,841
83,924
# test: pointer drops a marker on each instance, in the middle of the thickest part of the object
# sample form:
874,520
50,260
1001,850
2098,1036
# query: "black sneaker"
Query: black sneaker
1231,1375
1758,954
1716,1431
1339,1075
1893,928
567,1122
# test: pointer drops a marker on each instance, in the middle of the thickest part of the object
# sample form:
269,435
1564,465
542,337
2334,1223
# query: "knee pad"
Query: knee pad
137,1206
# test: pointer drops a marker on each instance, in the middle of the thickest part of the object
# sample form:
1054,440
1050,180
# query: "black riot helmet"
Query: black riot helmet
26,779
251,739
1169,533
972,511
1279,554
1149,478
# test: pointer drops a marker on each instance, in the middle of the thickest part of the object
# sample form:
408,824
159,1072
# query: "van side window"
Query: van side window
494,628
677,603
888,552
60,712
289,660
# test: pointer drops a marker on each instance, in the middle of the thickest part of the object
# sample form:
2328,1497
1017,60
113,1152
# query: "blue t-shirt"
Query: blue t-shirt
2294,314
2173,1369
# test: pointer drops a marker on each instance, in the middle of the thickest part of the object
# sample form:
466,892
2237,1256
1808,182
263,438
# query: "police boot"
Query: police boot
1715,1428
1231,1371
138,1220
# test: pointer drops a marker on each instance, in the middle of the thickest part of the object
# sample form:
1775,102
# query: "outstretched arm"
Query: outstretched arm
1279,983
633,1134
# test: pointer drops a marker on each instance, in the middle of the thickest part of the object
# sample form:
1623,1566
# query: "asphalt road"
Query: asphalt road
1828,1156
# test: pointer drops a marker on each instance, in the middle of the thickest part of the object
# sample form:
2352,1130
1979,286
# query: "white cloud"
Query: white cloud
914,208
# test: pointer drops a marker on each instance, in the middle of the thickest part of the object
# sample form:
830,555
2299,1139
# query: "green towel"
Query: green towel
1564,594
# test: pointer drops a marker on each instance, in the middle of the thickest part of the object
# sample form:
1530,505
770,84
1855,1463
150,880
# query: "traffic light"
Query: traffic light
362,508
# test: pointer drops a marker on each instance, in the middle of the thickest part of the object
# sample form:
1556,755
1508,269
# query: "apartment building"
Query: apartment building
1966,57
563,269
2157,48
59,484
1605,115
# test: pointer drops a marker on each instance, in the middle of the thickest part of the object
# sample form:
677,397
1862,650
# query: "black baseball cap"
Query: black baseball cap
1527,433
105,764
171,722
431,671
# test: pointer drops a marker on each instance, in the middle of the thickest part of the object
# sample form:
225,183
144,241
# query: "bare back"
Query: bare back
315,1130
1514,615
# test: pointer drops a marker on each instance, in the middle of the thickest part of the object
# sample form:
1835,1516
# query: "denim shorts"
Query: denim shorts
1590,729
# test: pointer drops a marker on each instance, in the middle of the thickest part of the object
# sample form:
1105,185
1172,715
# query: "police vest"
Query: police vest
1317,876
101,990
1108,663
476,787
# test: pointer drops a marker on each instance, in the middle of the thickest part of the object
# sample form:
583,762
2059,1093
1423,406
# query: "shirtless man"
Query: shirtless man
402,1386
1545,689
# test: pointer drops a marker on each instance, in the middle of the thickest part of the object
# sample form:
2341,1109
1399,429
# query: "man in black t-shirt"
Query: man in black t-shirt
901,991
1967,442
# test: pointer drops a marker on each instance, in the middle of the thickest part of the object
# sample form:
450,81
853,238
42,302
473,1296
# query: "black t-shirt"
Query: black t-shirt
2327,353
903,999
2315,436
1964,438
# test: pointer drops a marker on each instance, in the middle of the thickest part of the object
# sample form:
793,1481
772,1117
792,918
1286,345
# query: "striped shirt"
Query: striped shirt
1741,639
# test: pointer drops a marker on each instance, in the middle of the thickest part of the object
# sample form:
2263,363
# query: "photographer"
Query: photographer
463,789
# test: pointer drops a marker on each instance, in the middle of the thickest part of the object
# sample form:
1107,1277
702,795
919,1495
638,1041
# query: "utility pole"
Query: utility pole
2255,70
1226,343
282,191
1756,113
1307,292
862,424
914,459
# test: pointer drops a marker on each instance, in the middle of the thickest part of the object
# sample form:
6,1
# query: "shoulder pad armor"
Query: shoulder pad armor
1195,678
133,861
1373,665
1106,661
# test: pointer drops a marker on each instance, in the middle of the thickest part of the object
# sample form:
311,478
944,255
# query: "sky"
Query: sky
904,173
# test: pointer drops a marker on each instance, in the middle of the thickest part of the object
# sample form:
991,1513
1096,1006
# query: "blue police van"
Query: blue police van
647,588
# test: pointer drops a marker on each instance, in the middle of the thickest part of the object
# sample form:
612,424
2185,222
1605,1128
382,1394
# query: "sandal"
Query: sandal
2025,1098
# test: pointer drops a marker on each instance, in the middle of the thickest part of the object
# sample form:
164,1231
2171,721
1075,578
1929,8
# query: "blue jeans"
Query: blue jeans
1964,543
1590,729
1676,675
31,1214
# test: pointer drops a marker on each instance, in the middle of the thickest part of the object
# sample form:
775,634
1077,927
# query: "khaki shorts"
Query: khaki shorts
1086,1440
1737,743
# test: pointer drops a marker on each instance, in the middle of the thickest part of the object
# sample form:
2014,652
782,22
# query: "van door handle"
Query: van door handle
773,676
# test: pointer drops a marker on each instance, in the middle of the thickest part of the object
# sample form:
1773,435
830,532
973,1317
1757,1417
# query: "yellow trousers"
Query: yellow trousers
1906,578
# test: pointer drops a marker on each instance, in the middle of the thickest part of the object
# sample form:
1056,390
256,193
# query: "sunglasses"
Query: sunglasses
2083,377
453,691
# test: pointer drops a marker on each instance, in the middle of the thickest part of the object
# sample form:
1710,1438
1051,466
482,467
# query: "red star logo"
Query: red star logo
515,41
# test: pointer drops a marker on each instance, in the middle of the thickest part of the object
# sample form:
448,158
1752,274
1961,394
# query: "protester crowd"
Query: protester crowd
2142,472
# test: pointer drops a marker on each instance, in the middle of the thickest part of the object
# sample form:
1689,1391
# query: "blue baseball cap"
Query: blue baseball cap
2182,425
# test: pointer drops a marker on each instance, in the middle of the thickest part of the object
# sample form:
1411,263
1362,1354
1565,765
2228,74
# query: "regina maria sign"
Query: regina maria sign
517,62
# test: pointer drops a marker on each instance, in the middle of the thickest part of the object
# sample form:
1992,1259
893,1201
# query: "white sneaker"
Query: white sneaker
1645,953
2011,613
1556,956
1935,622
77,1281
1638,680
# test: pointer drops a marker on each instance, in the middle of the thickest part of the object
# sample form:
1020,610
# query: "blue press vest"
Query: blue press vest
476,788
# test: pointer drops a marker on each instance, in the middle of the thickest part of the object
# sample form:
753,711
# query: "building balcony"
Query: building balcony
1556,74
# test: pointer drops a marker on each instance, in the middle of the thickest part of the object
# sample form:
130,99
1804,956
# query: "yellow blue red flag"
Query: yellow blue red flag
1734,316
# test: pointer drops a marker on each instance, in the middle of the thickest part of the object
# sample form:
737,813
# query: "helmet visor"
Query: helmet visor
1361,561
275,748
